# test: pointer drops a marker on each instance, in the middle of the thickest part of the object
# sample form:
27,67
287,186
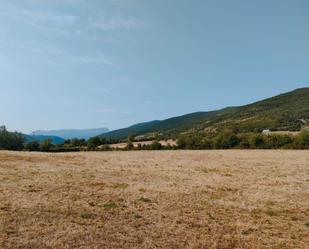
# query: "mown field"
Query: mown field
155,199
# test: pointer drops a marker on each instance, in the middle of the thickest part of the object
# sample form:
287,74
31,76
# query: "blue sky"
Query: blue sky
112,63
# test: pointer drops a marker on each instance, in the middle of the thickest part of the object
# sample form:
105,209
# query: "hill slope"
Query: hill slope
288,111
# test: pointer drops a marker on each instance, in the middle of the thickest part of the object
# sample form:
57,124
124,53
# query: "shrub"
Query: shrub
303,140
155,146
106,147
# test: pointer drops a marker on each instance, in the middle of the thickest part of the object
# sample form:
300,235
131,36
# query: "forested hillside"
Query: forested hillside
285,112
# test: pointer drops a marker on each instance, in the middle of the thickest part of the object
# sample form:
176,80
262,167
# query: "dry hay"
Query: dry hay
155,199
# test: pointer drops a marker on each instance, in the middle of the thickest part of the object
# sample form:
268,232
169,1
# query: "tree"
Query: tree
46,145
11,140
226,140
181,142
93,143
244,142
130,145
130,138
68,141
78,142
277,141
257,141
33,146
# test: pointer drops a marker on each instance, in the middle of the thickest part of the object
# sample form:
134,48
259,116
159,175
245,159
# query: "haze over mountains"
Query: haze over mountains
41,138
72,133
285,112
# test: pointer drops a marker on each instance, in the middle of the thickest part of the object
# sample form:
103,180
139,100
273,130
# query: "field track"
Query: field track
155,199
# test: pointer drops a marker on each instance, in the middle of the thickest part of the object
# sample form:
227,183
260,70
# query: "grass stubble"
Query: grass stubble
158,199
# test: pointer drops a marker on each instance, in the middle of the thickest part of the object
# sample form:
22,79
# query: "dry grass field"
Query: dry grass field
155,199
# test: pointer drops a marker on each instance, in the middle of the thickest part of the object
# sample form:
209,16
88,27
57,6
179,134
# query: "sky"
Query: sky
113,63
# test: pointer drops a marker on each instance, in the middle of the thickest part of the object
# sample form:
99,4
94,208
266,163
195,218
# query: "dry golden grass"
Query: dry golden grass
166,199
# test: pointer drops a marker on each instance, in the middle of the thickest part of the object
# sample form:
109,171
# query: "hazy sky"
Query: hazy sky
112,63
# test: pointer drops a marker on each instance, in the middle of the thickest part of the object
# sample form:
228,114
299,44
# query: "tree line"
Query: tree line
232,140
227,139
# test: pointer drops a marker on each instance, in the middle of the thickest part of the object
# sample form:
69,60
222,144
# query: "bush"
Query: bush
155,146
106,147
303,140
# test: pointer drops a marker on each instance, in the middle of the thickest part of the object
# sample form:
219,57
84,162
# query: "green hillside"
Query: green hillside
288,111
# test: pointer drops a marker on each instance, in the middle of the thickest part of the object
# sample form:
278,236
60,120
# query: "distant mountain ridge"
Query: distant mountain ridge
282,112
39,138
72,133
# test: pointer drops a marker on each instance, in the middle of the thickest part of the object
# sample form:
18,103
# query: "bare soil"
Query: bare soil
155,199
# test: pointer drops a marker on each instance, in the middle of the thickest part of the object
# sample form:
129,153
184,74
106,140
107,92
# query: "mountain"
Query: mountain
72,133
136,129
39,138
288,111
